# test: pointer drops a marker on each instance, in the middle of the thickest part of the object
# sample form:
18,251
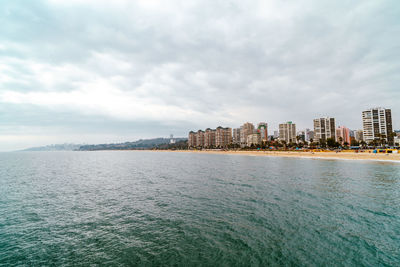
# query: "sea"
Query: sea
143,208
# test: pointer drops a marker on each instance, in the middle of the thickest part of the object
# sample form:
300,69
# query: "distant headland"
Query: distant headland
141,144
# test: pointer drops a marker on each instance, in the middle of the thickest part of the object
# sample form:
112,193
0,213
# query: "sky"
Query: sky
113,71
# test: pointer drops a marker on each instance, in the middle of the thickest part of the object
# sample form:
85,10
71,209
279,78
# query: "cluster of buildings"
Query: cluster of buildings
210,138
377,126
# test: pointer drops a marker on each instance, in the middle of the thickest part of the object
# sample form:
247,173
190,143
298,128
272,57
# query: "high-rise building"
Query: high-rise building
301,136
324,128
276,134
287,132
245,130
358,135
223,137
209,138
200,138
377,124
343,135
309,135
253,139
192,140
352,134
236,136
262,128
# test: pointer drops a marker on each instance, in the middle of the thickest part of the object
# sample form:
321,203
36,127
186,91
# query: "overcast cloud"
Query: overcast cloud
112,71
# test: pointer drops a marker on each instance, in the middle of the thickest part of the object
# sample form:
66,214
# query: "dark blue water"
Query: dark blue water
184,209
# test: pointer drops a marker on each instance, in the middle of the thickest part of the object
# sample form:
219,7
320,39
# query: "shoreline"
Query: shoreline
306,155
365,156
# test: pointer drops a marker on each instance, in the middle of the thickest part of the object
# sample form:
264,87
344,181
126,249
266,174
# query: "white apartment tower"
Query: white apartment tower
324,128
377,123
287,132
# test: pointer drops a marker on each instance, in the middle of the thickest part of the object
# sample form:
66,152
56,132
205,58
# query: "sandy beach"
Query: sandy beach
300,154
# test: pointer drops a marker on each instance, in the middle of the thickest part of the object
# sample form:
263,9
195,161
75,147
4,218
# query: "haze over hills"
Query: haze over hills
140,144
55,147
161,143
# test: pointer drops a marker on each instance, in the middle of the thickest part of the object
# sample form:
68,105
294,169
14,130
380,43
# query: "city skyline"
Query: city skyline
377,129
70,74
311,124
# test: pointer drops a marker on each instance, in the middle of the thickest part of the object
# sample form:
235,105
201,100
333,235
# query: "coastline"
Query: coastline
300,154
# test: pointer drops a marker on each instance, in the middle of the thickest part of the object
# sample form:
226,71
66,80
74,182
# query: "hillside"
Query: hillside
156,143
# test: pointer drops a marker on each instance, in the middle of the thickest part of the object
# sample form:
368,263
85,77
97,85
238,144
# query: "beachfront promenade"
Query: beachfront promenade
348,155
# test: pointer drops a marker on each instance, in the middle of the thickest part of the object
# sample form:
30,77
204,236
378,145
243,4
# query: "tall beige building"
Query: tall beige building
236,136
253,139
324,128
223,137
200,138
377,124
245,130
209,138
287,132
192,139
358,135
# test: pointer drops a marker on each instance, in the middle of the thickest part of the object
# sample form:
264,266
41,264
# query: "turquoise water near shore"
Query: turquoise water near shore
184,209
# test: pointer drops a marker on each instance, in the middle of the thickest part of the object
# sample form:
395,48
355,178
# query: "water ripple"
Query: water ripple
181,209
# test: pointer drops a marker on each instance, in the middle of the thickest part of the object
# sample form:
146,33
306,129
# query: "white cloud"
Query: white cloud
200,63
100,97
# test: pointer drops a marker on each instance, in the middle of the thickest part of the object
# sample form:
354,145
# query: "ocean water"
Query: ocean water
184,209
